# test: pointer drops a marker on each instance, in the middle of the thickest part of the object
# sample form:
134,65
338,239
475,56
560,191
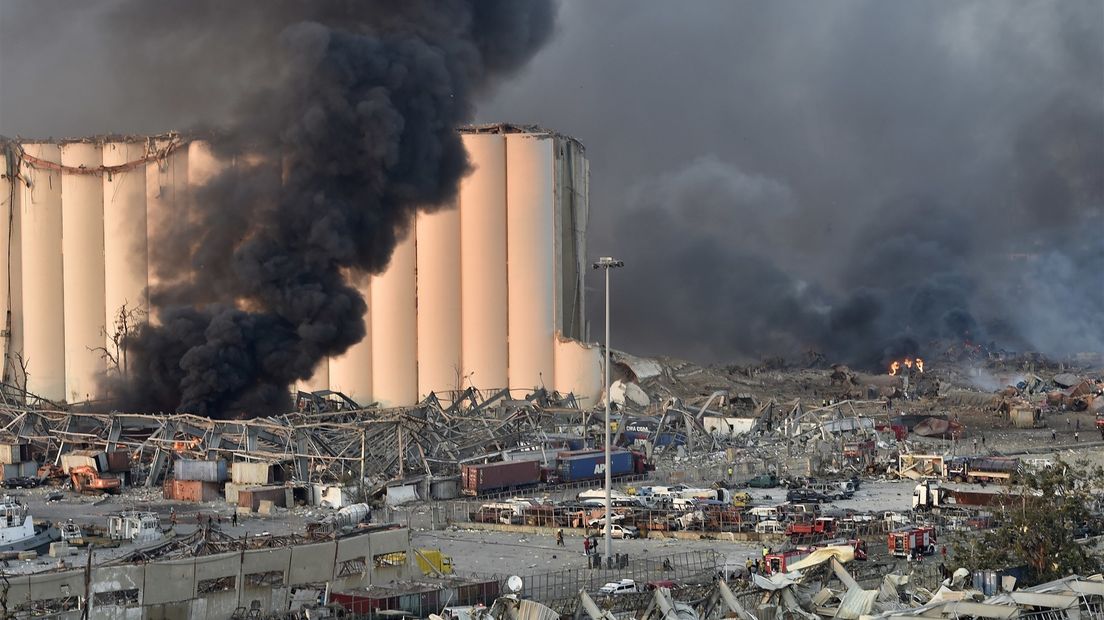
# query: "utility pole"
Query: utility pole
608,263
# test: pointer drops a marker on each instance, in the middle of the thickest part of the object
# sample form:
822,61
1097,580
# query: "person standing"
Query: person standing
559,538
234,519
586,545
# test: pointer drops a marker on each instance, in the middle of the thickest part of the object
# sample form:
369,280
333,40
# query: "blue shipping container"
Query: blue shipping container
592,466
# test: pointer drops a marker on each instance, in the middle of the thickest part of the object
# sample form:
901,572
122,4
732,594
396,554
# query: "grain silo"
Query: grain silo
486,292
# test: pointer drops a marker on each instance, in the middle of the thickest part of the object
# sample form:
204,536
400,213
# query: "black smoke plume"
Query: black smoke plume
340,119
859,178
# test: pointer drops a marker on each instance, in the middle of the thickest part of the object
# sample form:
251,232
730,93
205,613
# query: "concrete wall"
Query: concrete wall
170,588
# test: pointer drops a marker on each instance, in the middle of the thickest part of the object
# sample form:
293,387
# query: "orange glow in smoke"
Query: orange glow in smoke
908,362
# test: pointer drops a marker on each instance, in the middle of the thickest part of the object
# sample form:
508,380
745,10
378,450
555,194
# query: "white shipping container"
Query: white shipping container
69,461
251,474
231,492
12,453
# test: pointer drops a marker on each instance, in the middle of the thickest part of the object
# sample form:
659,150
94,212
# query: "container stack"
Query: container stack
255,476
15,461
196,480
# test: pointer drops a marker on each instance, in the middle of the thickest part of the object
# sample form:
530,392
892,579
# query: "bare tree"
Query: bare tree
114,351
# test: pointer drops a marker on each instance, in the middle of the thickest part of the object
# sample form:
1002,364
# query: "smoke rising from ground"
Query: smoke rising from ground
354,108
859,178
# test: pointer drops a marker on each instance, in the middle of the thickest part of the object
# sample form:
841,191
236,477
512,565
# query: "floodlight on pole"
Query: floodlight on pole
608,263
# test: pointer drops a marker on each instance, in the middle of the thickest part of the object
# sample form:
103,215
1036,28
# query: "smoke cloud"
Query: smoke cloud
858,178
357,103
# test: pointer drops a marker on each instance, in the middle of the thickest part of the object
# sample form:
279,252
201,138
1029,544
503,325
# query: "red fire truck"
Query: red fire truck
821,525
780,562
912,541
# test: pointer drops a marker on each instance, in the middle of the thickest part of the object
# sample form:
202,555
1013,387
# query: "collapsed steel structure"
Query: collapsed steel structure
329,439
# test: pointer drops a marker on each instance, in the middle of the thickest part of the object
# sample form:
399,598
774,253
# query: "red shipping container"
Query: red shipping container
191,490
477,479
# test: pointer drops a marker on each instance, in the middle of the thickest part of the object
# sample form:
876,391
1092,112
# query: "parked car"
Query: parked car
770,527
623,531
763,481
803,495
624,586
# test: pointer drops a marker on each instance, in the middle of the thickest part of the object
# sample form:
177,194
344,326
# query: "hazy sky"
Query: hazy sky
857,177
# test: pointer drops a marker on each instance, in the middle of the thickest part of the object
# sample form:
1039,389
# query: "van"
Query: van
771,526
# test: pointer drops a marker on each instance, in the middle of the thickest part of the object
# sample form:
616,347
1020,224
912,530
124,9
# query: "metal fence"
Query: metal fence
560,589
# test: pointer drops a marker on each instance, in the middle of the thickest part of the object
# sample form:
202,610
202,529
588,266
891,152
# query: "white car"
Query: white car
624,586
623,531
770,527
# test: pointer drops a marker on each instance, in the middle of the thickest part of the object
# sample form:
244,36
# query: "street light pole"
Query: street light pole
608,263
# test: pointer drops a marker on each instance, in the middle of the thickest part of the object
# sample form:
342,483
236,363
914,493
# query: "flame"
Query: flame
184,446
908,362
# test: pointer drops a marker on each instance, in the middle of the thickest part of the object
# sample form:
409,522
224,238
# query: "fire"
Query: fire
908,362
186,445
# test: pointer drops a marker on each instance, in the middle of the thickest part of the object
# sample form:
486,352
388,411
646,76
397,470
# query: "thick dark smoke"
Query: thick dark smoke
859,178
353,107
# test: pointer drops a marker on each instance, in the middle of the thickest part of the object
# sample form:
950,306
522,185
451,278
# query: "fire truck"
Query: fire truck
780,562
821,525
912,541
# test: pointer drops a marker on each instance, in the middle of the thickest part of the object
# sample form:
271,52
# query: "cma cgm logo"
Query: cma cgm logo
600,468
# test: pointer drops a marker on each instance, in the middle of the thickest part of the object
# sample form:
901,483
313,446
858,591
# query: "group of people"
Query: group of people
590,545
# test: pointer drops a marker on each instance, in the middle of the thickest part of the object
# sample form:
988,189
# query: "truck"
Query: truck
998,469
911,541
821,526
580,465
433,562
506,475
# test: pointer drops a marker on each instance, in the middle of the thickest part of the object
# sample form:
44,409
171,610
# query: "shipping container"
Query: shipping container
13,453
250,497
96,459
190,490
231,493
590,465
488,477
118,461
255,474
195,469
26,469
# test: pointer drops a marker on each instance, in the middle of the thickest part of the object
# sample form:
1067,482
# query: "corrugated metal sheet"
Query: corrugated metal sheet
191,490
19,470
251,473
195,469
118,461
